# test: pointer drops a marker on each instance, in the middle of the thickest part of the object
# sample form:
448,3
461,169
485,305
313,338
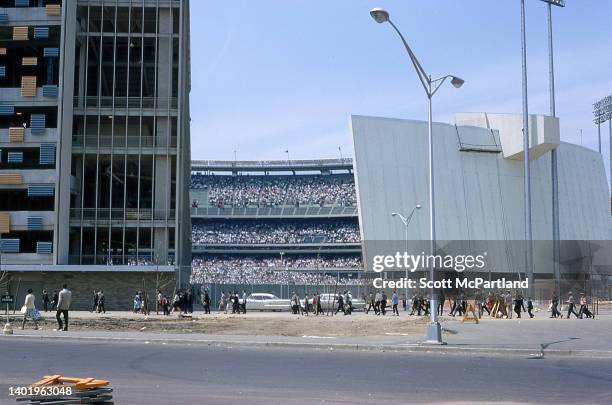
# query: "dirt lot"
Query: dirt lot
282,324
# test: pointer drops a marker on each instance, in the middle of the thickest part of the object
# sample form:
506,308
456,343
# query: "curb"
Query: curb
405,348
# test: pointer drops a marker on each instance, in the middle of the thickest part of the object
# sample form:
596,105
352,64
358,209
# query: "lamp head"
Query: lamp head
379,15
394,214
418,207
457,82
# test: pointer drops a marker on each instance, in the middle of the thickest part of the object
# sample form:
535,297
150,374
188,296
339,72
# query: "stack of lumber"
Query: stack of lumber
83,391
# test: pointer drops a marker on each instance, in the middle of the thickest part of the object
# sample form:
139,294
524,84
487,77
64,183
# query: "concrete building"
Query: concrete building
479,194
94,132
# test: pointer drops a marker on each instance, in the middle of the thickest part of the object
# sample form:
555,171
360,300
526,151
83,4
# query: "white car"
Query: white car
267,302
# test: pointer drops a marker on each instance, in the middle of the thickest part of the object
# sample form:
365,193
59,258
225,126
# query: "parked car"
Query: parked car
267,302
331,300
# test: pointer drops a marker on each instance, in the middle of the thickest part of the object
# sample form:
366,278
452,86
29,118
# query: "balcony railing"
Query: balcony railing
278,212
118,141
126,102
117,214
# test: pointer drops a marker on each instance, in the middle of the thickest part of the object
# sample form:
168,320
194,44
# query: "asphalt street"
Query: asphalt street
183,374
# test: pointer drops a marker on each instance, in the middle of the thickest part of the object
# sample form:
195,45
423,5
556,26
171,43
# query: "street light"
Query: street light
406,222
431,86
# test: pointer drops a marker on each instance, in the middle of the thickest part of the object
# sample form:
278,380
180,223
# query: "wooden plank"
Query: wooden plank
46,380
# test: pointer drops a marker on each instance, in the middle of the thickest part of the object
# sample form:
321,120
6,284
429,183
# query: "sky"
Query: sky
275,75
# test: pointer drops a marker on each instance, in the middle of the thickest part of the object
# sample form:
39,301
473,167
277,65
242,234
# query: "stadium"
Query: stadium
275,226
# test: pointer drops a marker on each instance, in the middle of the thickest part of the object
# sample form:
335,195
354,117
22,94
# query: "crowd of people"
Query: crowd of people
276,191
222,270
286,232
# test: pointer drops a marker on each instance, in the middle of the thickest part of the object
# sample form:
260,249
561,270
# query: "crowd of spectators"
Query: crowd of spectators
221,270
286,232
276,191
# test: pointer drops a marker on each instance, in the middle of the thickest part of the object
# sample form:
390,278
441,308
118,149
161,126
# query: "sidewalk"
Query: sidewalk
528,338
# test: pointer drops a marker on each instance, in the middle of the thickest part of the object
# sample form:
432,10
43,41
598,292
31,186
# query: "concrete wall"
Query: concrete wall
119,288
479,195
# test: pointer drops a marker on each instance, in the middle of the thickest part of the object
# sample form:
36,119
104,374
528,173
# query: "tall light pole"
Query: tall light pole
431,86
406,222
553,153
527,181
602,110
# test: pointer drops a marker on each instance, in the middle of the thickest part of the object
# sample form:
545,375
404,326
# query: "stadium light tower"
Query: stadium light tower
431,86
406,222
553,153
527,172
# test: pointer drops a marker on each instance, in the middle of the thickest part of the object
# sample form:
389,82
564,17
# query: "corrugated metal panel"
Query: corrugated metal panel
49,90
2,71
41,190
10,179
38,123
29,61
51,52
5,222
35,223
9,245
47,154
7,109
15,157
22,3
4,18
53,10
41,32
28,86
44,248
20,33
16,134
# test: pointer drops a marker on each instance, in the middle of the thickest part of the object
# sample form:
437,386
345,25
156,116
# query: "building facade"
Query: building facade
479,196
95,162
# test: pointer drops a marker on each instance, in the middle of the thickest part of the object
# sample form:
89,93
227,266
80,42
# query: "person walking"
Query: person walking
508,304
571,305
584,307
101,308
63,306
383,303
45,300
222,303
377,302
295,304
554,307
369,303
530,307
29,310
518,305
243,302
137,302
54,300
340,305
441,299
306,304
394,303
206,302
94,301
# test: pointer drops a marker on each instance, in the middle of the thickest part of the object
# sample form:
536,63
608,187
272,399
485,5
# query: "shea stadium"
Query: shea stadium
275,226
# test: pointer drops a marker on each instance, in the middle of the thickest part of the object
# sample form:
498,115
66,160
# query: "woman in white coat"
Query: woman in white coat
30,310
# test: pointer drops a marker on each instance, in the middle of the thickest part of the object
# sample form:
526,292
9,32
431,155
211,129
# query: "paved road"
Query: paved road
182,374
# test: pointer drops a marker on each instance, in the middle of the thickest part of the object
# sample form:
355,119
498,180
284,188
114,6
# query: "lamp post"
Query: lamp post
431,86
406,222
553,153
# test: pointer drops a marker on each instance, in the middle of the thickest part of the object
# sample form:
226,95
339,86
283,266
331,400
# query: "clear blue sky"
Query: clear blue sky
271,75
